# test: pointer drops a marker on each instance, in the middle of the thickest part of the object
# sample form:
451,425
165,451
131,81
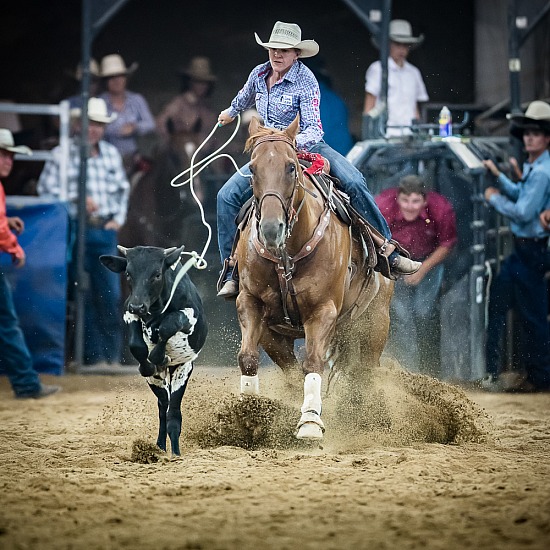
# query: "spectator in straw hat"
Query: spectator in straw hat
282,89
521,282
406,88
133,118
107,193
15,358
187,117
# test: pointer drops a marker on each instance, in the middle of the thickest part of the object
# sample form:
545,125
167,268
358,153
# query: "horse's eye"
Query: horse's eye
291,168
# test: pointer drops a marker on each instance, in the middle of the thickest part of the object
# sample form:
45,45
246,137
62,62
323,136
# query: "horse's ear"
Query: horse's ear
254,125
294,128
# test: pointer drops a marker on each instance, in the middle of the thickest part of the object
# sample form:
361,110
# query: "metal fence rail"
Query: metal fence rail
62,110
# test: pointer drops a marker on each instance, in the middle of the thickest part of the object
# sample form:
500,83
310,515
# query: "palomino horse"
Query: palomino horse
303,274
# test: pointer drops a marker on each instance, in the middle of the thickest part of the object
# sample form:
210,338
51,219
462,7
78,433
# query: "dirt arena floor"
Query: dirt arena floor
423,465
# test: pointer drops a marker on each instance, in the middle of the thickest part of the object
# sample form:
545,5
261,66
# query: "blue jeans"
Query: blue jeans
414,336
237,191
15,357
103,332
520,284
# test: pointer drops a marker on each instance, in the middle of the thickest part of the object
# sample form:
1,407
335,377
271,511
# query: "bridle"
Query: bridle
285,264
291,213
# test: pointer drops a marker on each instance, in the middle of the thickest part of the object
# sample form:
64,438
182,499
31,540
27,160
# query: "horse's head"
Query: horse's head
275,175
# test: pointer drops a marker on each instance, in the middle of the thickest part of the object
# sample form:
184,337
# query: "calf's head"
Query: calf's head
145,268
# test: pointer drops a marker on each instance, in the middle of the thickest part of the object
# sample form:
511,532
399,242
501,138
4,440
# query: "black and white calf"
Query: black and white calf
165,343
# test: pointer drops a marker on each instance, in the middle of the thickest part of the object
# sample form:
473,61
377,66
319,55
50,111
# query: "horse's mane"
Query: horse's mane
262,131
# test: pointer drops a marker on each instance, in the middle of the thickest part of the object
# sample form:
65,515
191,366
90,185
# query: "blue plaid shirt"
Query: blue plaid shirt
296,93
106,181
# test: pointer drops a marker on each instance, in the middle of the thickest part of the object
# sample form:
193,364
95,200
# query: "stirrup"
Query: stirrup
228,272
383,266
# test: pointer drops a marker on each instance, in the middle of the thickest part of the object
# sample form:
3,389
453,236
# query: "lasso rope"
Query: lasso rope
197,260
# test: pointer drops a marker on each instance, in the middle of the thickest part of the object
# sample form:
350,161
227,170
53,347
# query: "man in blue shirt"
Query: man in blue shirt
521,283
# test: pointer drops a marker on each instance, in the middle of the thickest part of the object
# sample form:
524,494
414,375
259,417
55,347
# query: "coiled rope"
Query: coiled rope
197,260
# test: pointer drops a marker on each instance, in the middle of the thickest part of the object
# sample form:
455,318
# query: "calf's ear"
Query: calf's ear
114,263
172,254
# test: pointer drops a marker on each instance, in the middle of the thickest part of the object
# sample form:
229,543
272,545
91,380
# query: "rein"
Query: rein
274,137
291,213
286,264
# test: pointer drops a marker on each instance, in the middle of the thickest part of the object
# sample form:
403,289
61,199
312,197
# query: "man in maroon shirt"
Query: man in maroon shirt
424,222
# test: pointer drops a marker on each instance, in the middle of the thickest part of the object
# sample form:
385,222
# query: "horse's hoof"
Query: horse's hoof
310,431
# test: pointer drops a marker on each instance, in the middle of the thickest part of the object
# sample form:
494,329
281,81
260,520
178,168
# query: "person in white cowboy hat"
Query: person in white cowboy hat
521,283
134,117
188,118
406,88
282,88
15,358
107,194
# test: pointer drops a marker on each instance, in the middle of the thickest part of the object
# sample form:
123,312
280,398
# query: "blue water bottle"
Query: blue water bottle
445,122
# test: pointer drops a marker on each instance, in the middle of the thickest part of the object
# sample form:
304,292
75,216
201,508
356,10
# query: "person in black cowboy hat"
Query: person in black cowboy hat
521,283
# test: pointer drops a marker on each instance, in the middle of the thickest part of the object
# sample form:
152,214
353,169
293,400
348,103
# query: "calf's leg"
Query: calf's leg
178,384
160,388
172,323
137,344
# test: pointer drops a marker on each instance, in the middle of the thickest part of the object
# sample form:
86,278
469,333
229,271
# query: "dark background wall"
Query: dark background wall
40,41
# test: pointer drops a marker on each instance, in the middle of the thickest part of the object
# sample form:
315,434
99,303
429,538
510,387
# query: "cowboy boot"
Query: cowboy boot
227,286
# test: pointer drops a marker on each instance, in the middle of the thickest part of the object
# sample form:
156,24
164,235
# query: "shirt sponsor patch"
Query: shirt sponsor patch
286,99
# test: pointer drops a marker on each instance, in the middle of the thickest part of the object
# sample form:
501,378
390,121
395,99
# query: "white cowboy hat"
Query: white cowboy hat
199,69
400,31
97,111
537,116
7,143
113,65
285,36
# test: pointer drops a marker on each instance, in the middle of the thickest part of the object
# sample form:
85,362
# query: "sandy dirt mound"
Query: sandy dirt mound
397,408
412,463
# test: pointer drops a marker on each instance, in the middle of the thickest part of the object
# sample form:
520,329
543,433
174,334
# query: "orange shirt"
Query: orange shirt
8,240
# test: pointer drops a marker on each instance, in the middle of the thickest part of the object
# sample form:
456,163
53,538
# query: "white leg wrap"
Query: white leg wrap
312,393
310,426
250,385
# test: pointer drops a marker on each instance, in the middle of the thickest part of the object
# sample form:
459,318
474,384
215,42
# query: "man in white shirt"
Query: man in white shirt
406,87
